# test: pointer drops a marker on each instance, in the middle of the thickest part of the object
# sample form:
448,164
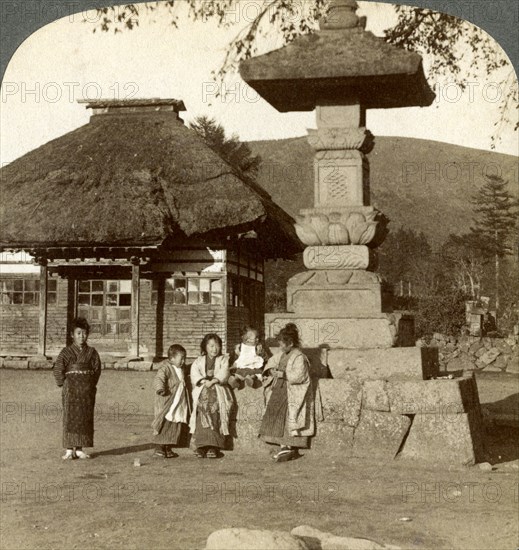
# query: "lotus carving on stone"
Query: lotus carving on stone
337,228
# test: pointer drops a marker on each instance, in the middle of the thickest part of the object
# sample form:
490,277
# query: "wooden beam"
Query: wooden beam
42,322
136,274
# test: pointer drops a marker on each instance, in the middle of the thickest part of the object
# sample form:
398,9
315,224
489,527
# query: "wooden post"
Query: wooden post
42,322
136,272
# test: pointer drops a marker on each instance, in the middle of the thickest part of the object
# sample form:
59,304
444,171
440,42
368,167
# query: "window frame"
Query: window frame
188,279
26,290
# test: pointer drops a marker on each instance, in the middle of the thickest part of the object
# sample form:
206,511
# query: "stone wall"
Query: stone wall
476,353
438,421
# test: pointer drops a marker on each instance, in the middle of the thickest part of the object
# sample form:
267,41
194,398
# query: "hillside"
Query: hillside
420,184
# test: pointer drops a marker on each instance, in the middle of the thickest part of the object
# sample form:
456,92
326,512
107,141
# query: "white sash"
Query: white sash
178,412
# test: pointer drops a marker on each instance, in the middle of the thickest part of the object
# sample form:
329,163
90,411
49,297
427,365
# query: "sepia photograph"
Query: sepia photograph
259,275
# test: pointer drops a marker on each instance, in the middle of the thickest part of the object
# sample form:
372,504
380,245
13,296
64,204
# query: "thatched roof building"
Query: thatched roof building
134,175
141,228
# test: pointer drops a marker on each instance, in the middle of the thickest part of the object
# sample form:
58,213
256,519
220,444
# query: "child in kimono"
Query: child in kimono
289,418
248,366
171,402
212,399
77,370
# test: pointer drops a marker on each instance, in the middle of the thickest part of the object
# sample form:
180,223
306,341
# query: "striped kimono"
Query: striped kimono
77,370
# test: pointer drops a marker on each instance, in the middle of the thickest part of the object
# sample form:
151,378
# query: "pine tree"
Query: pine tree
495,222
231,149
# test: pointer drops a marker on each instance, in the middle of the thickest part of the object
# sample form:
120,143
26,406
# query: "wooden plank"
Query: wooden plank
136,275
42,321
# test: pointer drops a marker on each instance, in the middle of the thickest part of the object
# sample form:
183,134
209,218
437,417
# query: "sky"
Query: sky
66,61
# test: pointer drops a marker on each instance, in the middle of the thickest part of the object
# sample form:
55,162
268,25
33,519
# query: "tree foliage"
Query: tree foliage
464,264
454,48
494,233
495,218
231,149
444,313
407,263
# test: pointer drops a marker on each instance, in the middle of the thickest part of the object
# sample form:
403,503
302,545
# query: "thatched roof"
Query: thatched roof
132,177
332,65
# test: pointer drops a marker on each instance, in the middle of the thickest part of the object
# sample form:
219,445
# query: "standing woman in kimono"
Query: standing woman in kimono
77,370
289,417
212,400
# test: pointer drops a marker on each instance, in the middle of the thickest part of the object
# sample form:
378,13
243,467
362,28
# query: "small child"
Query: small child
171,402
248,366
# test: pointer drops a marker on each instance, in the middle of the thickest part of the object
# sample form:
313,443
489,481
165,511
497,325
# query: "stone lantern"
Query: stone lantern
384,398
340,71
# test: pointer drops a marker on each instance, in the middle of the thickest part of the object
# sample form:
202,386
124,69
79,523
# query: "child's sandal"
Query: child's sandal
200,453
212,453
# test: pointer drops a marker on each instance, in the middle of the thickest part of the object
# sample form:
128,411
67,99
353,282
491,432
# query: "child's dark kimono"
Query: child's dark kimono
166,385
77,370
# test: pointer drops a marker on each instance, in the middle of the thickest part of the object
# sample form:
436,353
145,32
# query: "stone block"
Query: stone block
480,364
453,440
377,332
333,438
140,365
108,365
249,404
249,539
318,358
480,351
374,397
373,364
341,400
37,363
461,362
121,365
245,437
246,417
16,364
321,540
498,365
501,344
475,347
341,293
379,434
351,256
513,365
490,356
442,397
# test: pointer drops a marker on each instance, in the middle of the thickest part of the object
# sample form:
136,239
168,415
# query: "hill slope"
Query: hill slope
420,184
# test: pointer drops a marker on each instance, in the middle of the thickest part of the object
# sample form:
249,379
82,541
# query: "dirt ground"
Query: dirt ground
108,502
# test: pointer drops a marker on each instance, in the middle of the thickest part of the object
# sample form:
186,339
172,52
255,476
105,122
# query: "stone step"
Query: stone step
375,332
443,397
444,439
411,362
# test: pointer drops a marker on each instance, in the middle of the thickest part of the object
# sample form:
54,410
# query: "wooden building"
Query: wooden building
137,225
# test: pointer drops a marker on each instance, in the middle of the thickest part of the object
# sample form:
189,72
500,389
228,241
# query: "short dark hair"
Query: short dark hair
205,341
289,334
80,322
176,349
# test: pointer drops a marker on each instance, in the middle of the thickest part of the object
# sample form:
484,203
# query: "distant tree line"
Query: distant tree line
433,284
481,262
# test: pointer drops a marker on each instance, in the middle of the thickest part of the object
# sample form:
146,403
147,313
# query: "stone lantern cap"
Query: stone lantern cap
342,63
